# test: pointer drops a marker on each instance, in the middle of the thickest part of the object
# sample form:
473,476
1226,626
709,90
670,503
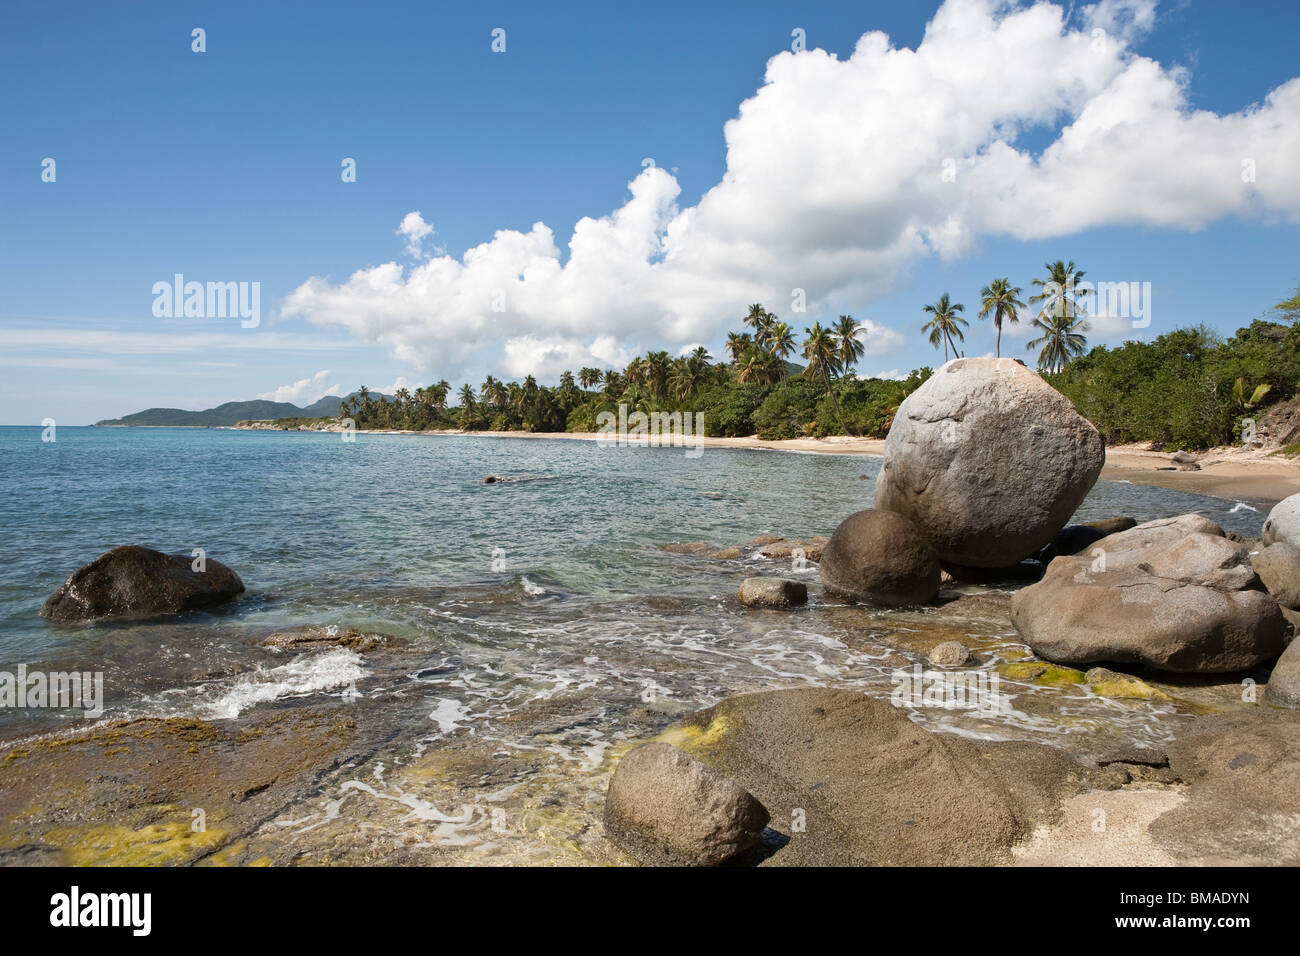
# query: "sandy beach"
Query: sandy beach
1255,475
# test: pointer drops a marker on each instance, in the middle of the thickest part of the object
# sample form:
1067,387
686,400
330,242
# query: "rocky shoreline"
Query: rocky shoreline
964,546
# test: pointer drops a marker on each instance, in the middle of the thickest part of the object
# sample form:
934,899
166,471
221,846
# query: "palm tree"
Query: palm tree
819,349
756,367
1058,295
738,343
635,371
684,378
945,324
780,343
1062,340
1001,299
657,367
588,377
567,384
846,334
467,415
761,321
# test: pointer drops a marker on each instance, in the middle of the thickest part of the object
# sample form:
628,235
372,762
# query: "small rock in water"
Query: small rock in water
878,557
783,550
1108,683
688,547
728,554
667,808
772,592
768,539
950,654
311,638
490,479
133,583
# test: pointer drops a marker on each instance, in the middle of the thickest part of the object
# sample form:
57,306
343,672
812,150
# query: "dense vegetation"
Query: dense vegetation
756,391
1185,389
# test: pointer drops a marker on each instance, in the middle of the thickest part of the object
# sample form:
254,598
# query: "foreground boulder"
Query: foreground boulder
989,461
879,557
1278,567
667,808
851,780
772,592
1175,595
1283,523
1284,683
132,583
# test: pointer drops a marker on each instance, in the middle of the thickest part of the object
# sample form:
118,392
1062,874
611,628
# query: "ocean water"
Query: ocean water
552,581
546,599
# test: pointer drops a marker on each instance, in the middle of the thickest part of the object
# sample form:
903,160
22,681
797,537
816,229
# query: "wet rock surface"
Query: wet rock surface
132,583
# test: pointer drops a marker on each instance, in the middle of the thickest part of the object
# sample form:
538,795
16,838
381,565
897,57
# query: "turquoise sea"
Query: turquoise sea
557,580
548,627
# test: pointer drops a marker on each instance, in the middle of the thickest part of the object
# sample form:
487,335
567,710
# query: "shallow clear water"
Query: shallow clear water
514,592
548,627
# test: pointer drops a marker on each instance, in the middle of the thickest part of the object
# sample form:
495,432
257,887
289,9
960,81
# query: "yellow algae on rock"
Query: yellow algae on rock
694,739
1108,683
1040,672
159,844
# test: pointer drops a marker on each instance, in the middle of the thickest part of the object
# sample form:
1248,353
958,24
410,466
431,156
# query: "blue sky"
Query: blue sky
225,166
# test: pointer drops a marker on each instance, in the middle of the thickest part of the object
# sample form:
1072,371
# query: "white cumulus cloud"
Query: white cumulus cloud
840,174
304,391
415,230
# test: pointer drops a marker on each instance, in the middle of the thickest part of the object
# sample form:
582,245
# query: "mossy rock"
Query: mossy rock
1041,673
1112,684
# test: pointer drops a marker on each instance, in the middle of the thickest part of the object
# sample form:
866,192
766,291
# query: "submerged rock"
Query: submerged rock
667,808
879,557
810,549
950,654
313,638
772,592
989,461
1173,594
134,583
1108,683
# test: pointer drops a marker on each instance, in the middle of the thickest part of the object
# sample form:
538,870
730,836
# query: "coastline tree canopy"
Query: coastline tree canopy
1186,389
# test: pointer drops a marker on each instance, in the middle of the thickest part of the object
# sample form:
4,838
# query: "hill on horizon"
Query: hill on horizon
230,413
